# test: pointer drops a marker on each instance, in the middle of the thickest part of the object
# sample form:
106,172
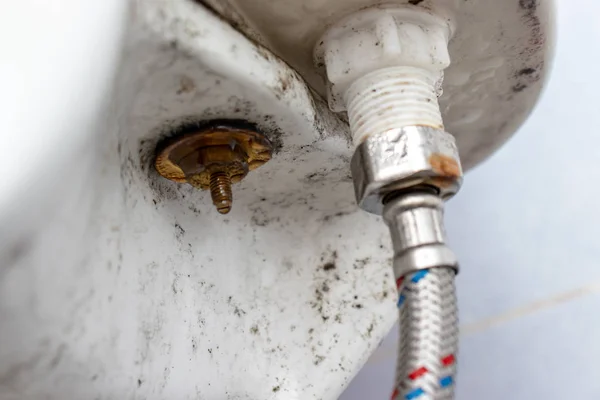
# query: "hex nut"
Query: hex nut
402,158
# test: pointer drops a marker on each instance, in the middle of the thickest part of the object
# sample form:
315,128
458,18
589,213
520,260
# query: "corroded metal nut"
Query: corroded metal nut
193,157
402,158
213,158
229,158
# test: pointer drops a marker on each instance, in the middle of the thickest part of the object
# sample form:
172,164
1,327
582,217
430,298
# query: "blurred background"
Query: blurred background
526,226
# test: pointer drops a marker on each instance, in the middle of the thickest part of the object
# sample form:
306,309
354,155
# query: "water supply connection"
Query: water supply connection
384,67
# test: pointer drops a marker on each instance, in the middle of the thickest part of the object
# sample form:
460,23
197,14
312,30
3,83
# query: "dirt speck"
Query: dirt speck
370,330
519,87
186,85
179,231
329,266
527,71
528,4
360,263
239,312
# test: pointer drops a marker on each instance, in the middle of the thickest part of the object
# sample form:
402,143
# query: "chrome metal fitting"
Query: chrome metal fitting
416,225
401,158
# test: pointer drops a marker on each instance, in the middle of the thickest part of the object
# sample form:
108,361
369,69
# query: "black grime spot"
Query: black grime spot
329,266
527,4
519,87
526,71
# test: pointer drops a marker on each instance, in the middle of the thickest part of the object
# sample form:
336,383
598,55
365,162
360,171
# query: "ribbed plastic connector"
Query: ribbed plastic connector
384,66
392,98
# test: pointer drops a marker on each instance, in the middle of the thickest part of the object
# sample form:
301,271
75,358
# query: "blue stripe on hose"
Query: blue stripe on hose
414,394
401,299
418,276
445,382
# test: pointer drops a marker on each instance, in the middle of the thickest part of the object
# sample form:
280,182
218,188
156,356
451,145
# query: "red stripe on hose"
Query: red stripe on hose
448,360
399,282
417,373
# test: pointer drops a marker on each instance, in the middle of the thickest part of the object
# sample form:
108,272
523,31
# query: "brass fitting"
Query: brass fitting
213,158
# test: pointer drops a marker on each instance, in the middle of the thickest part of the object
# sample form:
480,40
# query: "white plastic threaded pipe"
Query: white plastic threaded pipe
392,98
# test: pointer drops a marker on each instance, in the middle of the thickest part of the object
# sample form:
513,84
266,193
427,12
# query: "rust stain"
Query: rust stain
445,166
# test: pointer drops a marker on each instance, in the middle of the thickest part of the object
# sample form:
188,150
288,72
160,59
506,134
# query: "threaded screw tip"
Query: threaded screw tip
220,191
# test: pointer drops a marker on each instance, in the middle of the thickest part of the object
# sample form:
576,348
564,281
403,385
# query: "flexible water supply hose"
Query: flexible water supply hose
424,268
428,335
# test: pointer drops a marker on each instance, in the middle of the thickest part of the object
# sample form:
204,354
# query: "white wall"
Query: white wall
526,227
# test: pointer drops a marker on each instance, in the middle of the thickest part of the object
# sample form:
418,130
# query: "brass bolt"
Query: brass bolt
220,191
213,158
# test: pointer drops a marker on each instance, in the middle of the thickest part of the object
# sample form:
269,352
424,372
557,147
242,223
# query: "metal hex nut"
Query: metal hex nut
402,158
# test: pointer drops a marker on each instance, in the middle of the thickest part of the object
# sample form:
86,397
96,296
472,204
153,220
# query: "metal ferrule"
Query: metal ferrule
416,225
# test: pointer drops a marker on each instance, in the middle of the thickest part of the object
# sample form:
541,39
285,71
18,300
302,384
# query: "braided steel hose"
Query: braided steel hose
428,335
425,269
